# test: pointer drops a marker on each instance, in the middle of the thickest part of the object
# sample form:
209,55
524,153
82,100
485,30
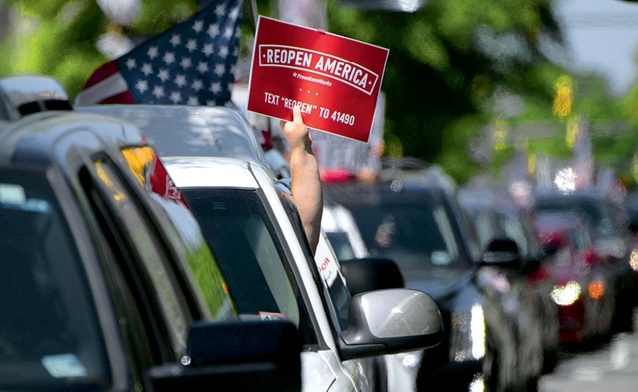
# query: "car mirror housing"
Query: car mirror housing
390,321
235,355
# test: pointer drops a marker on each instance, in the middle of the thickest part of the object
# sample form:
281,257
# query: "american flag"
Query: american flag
193,63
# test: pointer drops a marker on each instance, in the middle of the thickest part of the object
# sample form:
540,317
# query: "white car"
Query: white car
254,231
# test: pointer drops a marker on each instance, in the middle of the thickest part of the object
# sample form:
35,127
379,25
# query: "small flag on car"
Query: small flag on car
192,63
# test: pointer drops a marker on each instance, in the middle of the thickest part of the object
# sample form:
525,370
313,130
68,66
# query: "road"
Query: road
608,368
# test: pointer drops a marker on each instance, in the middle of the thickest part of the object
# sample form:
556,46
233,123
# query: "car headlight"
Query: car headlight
467,336
567,294
633,260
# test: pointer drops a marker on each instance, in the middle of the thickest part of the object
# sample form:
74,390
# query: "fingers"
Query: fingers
296,114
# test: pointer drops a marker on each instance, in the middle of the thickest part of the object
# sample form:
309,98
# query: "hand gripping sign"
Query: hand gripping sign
335,80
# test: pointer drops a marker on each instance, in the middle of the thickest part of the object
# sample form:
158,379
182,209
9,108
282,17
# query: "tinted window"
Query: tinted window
341,245
250,255
49,333
599,211
185,231
415,235
144,245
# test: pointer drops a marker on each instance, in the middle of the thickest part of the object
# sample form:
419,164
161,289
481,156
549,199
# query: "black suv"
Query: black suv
410,214
104,266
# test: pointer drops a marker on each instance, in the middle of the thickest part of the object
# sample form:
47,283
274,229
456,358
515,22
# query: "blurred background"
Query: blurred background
516,89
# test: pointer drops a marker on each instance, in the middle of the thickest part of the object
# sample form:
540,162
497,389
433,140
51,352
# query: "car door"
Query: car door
335,294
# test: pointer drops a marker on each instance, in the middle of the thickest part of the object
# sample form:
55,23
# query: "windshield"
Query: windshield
49,333
600,212
416,236
250,255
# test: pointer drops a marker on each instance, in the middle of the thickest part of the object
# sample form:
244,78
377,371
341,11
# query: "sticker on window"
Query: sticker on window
272,316
63,365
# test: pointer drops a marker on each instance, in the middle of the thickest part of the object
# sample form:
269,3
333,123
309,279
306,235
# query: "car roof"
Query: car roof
202,172
202,130
29,140
21,95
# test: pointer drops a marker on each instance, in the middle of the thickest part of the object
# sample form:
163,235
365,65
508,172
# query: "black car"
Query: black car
493,212
102,261
413,217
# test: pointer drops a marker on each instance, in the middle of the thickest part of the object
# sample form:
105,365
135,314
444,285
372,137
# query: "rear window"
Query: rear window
49,333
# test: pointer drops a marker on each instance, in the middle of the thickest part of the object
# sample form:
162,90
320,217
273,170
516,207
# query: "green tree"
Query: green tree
59,37
446,62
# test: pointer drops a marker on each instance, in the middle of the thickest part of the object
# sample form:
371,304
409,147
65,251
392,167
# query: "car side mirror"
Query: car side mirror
390,321
371,273
502,252
235,355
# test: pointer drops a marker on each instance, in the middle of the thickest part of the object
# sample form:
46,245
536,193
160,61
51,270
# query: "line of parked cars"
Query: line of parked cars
153,248
160,248
411,215
517,280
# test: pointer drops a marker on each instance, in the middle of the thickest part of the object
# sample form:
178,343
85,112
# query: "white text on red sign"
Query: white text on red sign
319,63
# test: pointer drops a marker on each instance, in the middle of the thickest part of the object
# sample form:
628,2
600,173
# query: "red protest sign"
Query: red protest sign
336,80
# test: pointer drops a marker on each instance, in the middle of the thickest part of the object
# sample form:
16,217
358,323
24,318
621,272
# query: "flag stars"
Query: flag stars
180,80
202,67
220,10
223,52
175,97
158,92
147,69
152,52
163,75
198,26
186,63
169,58
213,30
215,88
234,13
130,63
219,70
191,45
141,86
193,63
197,85
208,50
175,40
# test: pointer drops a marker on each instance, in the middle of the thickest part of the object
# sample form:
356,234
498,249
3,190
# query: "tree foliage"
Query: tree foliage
450,65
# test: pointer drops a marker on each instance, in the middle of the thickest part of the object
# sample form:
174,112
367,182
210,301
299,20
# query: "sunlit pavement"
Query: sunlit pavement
611,367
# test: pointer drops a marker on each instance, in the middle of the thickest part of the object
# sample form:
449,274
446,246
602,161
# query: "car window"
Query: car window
203,270
332,280
250,255
341,245
49,333
600,212
414,235
144,243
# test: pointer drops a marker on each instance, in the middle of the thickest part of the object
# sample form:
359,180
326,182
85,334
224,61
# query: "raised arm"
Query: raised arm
304,173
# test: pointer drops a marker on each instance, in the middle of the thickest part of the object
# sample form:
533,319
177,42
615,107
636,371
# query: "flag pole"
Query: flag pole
255,14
